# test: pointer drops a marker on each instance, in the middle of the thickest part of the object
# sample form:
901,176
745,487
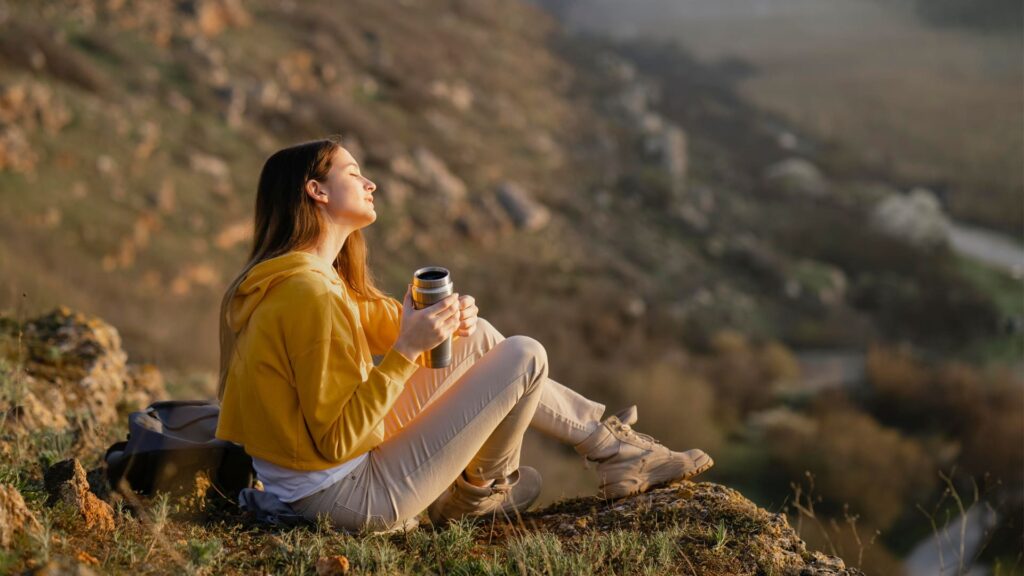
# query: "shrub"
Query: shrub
856,461
967,404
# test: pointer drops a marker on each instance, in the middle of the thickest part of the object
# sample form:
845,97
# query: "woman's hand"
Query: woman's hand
422,330
468,316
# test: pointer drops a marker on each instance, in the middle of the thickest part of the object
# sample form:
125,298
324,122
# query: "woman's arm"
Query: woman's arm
341,409
381,321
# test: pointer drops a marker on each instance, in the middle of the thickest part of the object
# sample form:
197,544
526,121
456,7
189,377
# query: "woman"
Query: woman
373,446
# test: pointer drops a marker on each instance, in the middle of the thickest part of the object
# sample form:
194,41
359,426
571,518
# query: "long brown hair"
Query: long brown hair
287,219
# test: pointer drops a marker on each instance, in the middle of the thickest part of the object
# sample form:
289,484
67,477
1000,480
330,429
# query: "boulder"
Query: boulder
436,175
797,177
15,517
771,545
525,212
73,364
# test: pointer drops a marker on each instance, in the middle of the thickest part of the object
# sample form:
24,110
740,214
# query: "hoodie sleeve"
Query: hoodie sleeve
341,409
381,321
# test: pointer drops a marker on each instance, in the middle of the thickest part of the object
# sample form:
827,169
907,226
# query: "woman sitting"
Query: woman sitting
373,446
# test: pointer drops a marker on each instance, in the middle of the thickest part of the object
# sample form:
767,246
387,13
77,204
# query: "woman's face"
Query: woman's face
345,194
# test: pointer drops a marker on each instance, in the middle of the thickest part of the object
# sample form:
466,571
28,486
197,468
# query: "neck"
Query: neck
330,244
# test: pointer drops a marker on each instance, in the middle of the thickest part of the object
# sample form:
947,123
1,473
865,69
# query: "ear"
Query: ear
314,191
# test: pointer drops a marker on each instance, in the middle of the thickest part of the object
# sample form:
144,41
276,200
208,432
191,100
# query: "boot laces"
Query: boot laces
629,432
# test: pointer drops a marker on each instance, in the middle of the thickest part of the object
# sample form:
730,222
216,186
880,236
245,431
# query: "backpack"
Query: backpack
171,442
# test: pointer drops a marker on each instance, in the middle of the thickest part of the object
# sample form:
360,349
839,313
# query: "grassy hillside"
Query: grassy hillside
666,266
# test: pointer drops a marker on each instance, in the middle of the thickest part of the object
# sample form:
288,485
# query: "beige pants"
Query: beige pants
468,417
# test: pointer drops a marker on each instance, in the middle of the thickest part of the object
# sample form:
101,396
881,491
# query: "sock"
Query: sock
470,481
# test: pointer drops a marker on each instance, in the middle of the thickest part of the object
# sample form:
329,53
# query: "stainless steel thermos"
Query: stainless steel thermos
429,285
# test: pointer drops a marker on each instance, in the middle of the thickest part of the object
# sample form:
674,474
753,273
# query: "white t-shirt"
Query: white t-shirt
291,485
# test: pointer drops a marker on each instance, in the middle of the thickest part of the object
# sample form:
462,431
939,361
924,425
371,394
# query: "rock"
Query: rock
66,482
198,274
16,153
667,143
672,144
216,168
796,176
209,165
434,175
269,96
394,191
235,100
787,140
165,198
332,566
634,100
149,137
74,364
403,166
772,544
27,108
458,94
32,106
916,218
15,517
214,16
526,212
296,71
234,234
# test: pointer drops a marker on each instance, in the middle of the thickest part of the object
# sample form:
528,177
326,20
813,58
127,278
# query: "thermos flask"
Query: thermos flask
429,285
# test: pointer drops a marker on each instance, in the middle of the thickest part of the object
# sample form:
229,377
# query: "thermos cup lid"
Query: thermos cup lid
431,277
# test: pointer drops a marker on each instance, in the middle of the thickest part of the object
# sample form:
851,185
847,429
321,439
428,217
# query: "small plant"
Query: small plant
42,539
721,536
158,513
204,552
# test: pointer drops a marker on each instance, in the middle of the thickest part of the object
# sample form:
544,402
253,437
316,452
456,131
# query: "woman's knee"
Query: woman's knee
528,351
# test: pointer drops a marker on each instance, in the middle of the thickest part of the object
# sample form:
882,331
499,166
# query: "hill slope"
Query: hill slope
69,363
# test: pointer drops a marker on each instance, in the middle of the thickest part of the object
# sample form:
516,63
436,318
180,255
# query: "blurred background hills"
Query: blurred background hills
789,231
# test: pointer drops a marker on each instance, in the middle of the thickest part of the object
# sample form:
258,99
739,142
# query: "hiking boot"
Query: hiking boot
504,498
630,462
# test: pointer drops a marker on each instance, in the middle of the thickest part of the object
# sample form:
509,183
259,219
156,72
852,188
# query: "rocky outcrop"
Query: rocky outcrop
796,177
754,540
525,212
69,372
27,107
15,517
66,483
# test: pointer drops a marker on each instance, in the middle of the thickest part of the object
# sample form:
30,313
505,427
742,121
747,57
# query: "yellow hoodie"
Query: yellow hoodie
302,391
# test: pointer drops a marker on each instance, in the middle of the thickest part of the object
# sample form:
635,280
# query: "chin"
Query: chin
371,218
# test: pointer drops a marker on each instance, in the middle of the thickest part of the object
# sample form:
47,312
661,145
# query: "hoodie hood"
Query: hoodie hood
264,276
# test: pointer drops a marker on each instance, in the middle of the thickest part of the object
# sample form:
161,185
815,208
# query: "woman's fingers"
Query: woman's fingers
446,307
467,327
470,311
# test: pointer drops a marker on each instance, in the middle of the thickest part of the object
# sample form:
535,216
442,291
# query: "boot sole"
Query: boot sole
623,489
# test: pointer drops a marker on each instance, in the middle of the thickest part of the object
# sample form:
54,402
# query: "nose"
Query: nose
370,186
